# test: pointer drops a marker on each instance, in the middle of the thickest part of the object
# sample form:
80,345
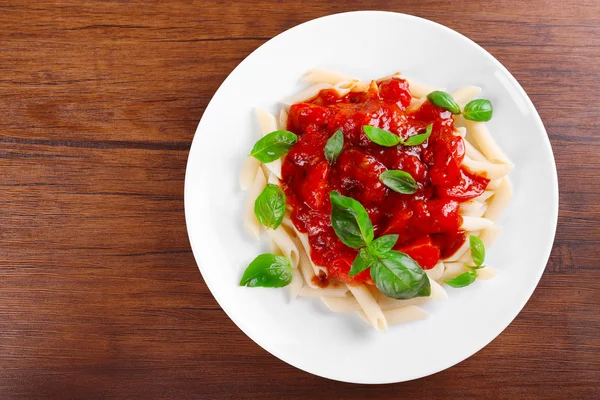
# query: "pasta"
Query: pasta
312,275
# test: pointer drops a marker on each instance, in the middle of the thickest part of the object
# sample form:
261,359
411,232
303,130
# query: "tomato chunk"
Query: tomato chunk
423,252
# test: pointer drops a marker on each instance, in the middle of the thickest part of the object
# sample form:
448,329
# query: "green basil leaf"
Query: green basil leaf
476,267
383,244
479,110
477,250
463,279
381,136
399,181
268,270
269,206
273,145
398,276
420,138
363,260
443,100
350,221
334,146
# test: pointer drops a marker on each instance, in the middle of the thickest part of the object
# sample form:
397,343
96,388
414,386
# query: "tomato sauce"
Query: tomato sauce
427,222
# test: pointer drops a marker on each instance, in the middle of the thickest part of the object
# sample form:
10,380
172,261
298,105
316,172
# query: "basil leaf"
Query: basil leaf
268,270
398,276
477,250
463,279
399,181
381,136
363,260
420,138
350,221
273,145
476,267
383,244
334,146
479,110
269,206
444,100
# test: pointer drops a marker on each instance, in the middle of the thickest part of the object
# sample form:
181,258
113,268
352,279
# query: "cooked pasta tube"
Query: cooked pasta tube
487,169
485,142
475,223
310,292
500,200
369,306
250,221
296,285
341,304
285,243
465,94
323,75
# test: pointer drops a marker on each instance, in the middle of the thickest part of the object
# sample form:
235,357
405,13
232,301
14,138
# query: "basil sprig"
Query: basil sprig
350,221
443,100
269,206
273,145
395,274
477,250
478,255
399,181
268,270
463,280
420,138
388,139
381,136
334,146
478,110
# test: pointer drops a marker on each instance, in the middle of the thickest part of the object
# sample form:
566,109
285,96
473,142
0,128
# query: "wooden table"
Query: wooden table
100,296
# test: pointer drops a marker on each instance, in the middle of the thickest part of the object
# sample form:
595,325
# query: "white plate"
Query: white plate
303,333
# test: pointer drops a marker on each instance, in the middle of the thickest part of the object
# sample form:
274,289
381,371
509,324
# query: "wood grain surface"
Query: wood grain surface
100,296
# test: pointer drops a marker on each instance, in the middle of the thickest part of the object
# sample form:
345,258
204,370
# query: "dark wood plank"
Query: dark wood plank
100,296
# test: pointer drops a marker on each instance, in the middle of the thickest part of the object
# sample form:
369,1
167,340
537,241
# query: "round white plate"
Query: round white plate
368,45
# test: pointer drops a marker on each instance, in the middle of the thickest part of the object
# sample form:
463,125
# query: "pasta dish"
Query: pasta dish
374,195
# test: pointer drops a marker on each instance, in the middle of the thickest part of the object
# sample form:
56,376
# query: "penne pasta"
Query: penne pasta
500,200
472,209
404,314
452,270
283,118
311,292
305,265
493,185
485,142
323,75
462,132
471,151
484,196
248,172
369,306
462,250
487,169
465,94
268,124
341,304
418,89
250,221
313,91
285,243
475,223
296,285
487,236
486,273
436,272
437,291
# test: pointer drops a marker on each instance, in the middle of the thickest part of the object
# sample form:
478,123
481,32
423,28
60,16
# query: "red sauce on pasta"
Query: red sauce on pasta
427,222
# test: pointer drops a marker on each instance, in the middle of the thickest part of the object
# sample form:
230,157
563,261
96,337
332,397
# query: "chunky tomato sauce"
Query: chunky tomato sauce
427,221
